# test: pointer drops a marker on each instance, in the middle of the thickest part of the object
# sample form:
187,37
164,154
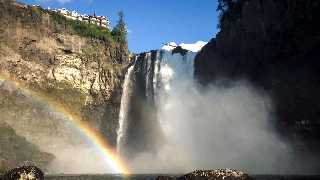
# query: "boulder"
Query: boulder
219,174
24,173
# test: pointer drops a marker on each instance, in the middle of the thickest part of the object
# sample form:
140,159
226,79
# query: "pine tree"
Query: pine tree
120,31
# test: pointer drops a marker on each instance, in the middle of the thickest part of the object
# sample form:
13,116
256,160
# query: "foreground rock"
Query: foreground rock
219,174
226,174
24,173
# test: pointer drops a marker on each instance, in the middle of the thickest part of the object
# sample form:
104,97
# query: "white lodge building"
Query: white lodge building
101,21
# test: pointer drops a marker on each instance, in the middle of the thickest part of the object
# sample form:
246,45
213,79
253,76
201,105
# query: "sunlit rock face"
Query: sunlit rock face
44,70
91,78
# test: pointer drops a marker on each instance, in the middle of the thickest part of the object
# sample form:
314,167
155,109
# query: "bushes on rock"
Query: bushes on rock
62,23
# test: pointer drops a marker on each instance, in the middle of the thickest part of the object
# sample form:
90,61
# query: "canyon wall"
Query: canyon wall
274,45
42,55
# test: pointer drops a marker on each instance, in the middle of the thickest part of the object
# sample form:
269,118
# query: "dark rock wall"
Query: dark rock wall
274,44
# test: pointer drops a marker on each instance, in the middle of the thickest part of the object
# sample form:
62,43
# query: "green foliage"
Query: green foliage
57,18
81,28
120,31
60,23
89,30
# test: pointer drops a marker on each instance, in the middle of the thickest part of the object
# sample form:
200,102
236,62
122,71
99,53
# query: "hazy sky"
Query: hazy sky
151,22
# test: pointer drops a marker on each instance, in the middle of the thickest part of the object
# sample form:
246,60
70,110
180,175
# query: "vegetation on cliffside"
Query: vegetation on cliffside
117,34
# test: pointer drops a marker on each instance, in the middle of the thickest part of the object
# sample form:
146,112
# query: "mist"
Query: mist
225,125
78,160
51,132
219,127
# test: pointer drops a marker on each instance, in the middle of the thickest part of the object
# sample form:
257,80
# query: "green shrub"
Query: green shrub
82,28
89,30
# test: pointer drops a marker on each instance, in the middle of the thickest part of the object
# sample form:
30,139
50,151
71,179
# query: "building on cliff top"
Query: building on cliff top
101,21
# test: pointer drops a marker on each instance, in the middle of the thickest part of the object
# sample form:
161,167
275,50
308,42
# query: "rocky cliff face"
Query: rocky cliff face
273,44
83,74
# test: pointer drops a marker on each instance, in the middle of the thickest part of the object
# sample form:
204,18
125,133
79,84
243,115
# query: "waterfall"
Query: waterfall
174,77
156,75
223,125
126,91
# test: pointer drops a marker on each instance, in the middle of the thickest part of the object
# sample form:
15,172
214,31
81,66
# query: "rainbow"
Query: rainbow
110,156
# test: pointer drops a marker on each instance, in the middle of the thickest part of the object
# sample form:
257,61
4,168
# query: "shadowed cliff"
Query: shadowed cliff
274,45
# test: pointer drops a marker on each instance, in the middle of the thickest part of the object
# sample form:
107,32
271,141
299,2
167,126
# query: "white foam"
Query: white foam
169,46
196,47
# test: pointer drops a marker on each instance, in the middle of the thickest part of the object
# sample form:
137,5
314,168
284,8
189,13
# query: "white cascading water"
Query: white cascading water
215,127
126,91
174,74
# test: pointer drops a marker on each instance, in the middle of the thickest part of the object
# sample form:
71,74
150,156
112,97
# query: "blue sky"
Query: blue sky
151,22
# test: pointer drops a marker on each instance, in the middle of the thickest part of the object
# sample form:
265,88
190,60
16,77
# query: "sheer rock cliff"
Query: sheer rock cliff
274,45
48,70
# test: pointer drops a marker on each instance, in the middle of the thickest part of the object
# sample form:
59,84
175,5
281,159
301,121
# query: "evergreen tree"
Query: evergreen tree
120,31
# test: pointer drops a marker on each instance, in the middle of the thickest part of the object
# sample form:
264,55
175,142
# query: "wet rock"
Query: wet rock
24,173
219,174
179,50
